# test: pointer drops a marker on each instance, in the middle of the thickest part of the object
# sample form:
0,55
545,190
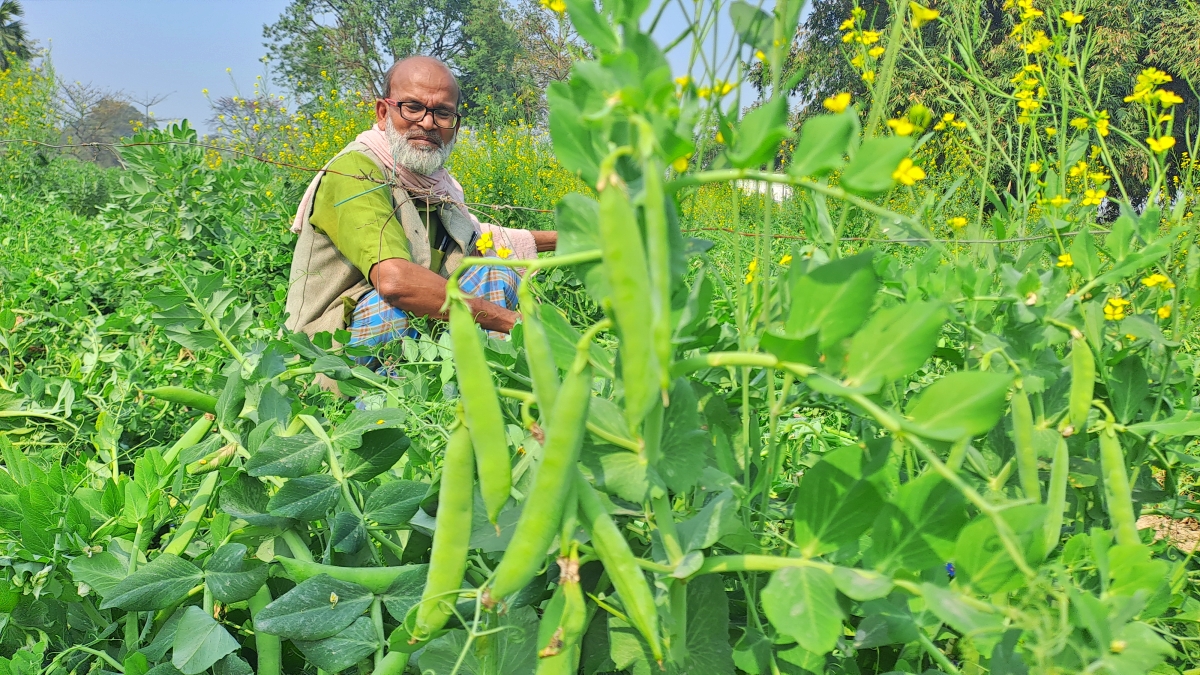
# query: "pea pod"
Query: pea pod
1083,380
375,579
620,564
183,396
1117,494
481,407
448,557
1056,494
187,529
1027,469
563,623
194,435
538,354
270,651
213,460
659,249
551,486
629,279
392,664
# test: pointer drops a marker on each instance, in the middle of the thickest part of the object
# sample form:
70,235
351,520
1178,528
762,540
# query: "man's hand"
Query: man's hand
419,292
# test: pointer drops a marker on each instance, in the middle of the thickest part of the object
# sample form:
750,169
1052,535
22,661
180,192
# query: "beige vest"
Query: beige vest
324,286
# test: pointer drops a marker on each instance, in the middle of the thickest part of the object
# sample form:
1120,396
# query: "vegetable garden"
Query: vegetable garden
905,420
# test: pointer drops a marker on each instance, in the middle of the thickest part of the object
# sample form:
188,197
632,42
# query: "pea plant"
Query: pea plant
929,455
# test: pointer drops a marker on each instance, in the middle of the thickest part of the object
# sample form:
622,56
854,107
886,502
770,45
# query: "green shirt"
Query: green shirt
364,227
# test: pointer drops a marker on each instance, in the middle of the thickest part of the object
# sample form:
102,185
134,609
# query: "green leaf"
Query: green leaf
136,664
918,528
981,559
834,504
592,27
334,367
833,299
577,218
823,142
315,609
801,602
620,473
200,642
707,639
346,533
1084,256
231,577
1128,387
232,399
685,445
246,498
163,582
895,342
379,452
395,503
349,434
1144,650
305,498
870,172
101,571
288,456
760,133
967,403
607,417
754,26
232,664
1182,423
713,521
861,585
337,653
982,627
791,349
512,651
573,147
752,653
405,592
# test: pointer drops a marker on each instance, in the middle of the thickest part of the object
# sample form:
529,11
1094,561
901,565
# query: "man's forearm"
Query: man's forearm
546,240
419,292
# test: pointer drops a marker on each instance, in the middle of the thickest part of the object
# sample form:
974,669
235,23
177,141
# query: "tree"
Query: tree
13,39
91,115
250,125
320,44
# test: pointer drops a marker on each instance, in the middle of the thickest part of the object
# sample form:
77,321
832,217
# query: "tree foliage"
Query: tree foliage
13,39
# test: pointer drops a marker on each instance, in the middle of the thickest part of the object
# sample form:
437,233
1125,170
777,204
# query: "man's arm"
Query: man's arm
414,289
546,240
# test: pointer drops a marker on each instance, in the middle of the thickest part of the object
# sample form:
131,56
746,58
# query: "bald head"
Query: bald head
421,72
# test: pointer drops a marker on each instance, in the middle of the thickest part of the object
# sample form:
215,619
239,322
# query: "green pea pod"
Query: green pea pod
1116,488
659,249
213,460
374,579
551,486
1056,495
193,436
187,528
188,397
560,632
481,407
629,279
448,558
1027,468
269,648
1083,380
538,353
620,564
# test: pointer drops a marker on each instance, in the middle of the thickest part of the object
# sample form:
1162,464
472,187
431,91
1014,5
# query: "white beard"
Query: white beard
422,160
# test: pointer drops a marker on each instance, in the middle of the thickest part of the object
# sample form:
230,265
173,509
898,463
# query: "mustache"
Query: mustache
431,136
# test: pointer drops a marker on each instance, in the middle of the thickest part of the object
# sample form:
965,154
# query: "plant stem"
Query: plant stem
270,653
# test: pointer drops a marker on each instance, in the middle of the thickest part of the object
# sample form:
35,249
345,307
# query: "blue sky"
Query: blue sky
181,47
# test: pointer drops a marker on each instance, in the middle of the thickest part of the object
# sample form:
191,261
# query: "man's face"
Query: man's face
429,84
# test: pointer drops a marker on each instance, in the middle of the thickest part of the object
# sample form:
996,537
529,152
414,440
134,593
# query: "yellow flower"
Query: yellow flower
1050,132
503,252
1071,18
869,77
857,61
1114,309
704,92
1098,177
1168,98
838,103
908,173
720,138
1157,279
1035,167
722,87
957,222
1038,44
1065,260
1164,312
683,80
902,126
1093,197
485,242
1080,123
1161,145
868,37
876,52
921,15
1102,125
1060,201
786,259
556,6
847,24
680,165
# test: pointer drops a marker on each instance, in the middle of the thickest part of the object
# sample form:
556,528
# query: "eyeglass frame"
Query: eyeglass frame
425,110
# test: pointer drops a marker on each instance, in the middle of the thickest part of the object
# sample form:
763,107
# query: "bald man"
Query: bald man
369,260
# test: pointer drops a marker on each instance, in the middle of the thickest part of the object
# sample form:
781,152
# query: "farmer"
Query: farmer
369,259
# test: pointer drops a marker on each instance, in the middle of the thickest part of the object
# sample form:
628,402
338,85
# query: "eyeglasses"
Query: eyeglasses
415,112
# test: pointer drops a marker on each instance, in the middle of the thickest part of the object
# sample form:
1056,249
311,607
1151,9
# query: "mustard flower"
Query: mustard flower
908,173
838,103
922,15
1065,260
1161,145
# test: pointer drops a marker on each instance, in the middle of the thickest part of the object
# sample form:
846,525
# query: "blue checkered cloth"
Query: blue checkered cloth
375,322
